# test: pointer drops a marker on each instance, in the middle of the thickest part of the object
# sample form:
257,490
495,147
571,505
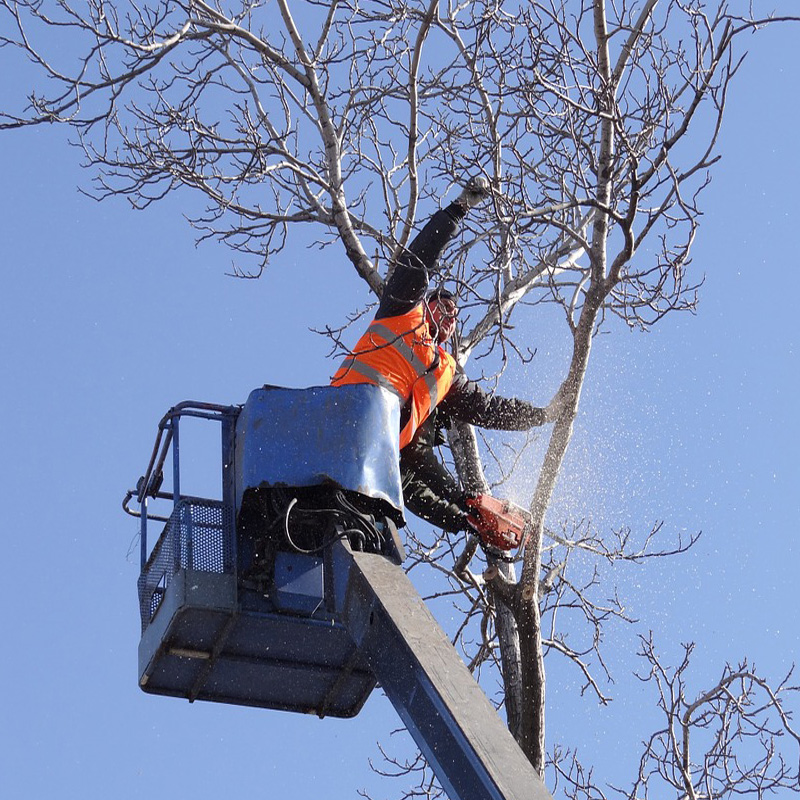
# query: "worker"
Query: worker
403,351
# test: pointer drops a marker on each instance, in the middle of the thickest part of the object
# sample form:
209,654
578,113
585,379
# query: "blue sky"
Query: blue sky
110,317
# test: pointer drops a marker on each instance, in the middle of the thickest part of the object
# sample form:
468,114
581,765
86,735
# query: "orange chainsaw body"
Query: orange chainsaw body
499,523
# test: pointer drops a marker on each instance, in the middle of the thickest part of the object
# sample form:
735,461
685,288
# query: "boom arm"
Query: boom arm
472,752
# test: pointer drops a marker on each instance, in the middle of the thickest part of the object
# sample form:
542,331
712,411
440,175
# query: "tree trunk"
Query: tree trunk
528,617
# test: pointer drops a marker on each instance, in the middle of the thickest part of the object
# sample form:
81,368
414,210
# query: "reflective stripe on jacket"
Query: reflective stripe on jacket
399,354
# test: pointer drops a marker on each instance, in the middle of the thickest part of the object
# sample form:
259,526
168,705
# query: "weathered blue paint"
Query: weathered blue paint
299,583
345,436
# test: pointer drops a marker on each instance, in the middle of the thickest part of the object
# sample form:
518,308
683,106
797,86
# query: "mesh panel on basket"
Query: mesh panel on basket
198,536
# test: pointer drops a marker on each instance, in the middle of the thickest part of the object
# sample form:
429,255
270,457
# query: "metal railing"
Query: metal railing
198,533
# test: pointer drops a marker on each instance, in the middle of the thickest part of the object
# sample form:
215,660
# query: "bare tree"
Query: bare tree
597,125
723,743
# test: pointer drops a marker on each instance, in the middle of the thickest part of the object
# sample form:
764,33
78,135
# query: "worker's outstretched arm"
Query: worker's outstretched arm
409,281
467,402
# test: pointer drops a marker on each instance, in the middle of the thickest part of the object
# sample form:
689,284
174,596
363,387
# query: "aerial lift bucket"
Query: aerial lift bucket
216,625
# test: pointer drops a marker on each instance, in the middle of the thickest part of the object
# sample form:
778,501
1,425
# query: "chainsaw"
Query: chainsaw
500,524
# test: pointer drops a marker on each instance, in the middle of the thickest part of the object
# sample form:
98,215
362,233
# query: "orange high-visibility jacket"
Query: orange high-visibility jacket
399,354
